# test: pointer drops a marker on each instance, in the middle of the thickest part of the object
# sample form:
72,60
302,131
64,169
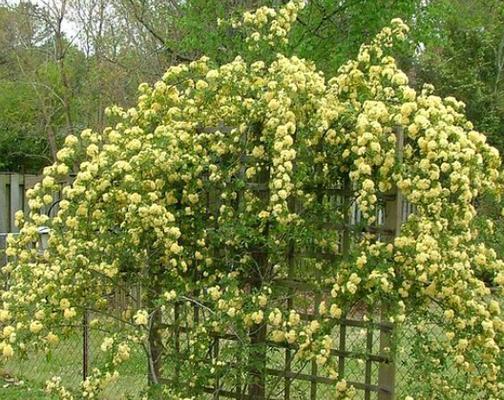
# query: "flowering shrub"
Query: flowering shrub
191,195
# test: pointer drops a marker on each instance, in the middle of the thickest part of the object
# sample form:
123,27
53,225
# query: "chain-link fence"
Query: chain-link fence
68,359
79,351
359,355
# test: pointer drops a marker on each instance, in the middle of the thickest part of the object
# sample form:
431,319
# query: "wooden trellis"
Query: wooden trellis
285,379
275,373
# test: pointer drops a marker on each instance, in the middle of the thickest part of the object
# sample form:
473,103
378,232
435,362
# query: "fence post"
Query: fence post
392,223
4,203
386,370
155,340
15,200
3,257
85,345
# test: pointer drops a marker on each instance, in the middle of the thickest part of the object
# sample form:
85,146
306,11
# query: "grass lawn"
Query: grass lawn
66,361
15,390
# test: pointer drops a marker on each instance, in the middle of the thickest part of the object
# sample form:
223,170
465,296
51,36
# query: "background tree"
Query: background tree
464,55
76,56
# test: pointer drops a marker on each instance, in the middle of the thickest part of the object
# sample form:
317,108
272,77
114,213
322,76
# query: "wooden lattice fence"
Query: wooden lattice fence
365,338
368,366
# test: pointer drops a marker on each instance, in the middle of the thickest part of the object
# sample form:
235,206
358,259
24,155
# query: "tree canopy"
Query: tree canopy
73,58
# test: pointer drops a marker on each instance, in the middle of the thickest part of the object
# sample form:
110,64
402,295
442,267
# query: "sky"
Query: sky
69,27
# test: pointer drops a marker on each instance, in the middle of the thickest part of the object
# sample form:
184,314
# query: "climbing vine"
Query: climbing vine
192,190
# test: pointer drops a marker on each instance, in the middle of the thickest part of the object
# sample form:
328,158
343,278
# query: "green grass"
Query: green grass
14,390
66,362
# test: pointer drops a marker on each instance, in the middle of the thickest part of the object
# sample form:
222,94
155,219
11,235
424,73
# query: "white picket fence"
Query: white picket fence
13,188
12,198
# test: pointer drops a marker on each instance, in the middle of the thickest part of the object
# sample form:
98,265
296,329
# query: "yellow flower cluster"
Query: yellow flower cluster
268,25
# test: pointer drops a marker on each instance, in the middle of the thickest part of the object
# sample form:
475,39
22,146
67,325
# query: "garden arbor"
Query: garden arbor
255,203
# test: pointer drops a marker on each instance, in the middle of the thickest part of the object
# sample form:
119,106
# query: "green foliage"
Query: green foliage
456,45
199,35
21,145
464,55
331,32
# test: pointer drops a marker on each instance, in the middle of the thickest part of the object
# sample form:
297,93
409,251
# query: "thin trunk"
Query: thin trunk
500,65
257,355
60,57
